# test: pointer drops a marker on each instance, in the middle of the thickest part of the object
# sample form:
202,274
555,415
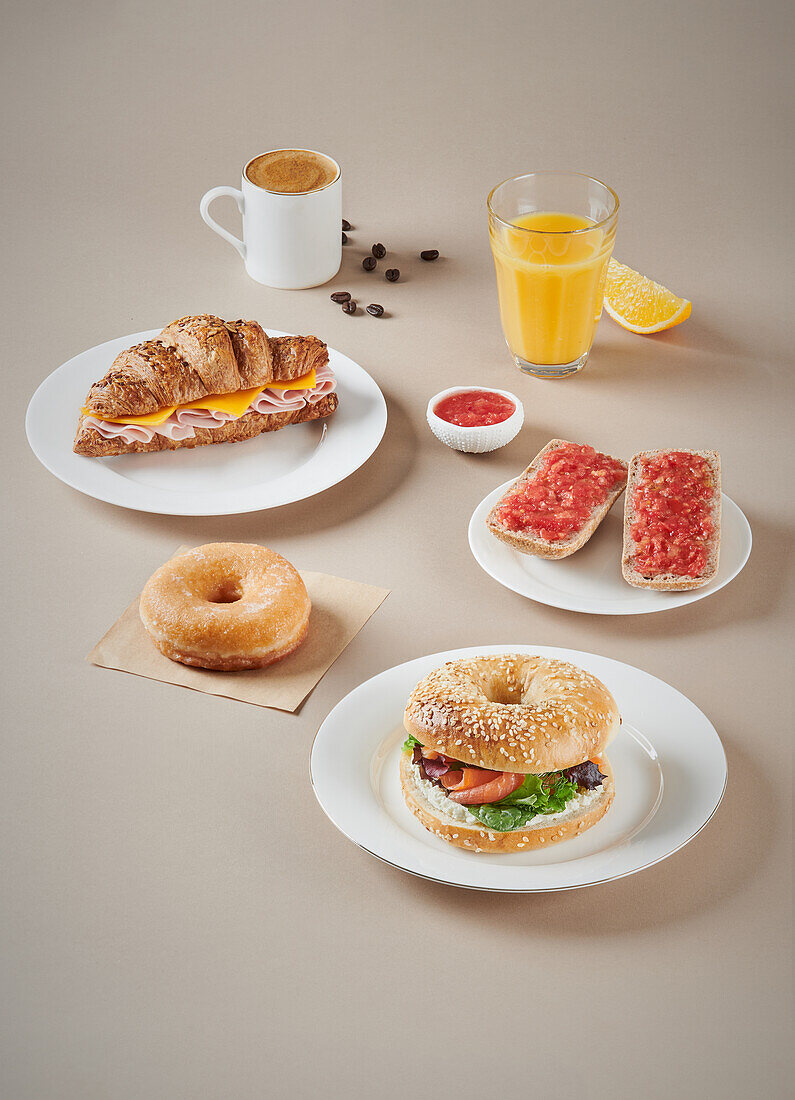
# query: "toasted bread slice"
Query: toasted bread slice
533,544
670,582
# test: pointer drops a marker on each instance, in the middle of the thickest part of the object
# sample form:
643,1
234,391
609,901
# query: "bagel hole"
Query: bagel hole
502,695
226,592
499,692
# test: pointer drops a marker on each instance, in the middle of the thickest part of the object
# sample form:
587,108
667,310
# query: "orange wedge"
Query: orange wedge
639,304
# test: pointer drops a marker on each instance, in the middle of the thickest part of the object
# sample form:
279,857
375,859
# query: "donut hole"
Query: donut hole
226,591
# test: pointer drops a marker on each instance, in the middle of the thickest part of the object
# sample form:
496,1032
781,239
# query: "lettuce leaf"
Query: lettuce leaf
500,818
538,794
548,793
586,775
410,742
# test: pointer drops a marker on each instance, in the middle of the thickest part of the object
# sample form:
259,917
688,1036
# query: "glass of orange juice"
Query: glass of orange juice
552,234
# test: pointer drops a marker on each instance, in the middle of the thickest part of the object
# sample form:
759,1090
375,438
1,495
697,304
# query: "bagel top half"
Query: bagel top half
513,713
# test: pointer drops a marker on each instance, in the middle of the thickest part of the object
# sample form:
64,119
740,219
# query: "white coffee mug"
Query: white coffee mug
290,240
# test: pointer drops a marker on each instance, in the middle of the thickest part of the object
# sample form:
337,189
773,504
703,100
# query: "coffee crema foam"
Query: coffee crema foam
291,171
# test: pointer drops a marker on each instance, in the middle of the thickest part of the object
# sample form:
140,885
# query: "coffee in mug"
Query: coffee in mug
292,171
291,202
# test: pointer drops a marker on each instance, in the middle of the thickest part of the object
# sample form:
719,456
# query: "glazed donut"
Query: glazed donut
513,712
226,606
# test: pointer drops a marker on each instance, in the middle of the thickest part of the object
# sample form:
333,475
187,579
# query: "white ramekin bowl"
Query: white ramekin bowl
487,437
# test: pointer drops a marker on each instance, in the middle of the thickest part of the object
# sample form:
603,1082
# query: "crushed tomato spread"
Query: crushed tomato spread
673,524
474,408
572,480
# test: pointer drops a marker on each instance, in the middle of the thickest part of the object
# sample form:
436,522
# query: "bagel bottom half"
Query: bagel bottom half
477,838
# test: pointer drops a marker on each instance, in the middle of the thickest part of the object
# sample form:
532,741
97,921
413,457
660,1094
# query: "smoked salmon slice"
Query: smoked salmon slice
466,778
504,784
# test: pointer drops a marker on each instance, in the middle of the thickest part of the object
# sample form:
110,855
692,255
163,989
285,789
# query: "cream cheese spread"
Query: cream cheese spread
439,800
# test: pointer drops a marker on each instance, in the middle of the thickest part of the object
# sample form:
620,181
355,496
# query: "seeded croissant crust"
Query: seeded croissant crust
194,357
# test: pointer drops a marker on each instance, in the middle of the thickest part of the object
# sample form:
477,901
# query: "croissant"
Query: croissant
178,390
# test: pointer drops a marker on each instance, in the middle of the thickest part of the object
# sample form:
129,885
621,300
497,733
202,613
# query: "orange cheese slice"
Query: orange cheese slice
305,382
235,403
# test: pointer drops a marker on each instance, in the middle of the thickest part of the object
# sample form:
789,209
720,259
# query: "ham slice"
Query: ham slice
136,433
183,422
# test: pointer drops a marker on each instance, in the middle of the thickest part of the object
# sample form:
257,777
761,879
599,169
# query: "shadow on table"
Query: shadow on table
631,358
725,858
756,594
506,463
373,482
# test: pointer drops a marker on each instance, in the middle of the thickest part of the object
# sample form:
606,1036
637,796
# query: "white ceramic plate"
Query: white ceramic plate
669,765
590,580
271,469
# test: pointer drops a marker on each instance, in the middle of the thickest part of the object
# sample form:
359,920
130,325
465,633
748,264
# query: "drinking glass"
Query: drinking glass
552,234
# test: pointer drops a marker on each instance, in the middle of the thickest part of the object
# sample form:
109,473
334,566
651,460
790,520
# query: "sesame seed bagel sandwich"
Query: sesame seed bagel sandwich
508,752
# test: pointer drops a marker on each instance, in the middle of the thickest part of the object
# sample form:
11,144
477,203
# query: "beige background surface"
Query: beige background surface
180,919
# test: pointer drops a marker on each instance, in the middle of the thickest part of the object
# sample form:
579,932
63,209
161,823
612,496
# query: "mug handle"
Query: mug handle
204,210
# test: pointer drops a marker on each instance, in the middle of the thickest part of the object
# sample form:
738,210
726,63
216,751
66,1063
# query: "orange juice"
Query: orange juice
550,281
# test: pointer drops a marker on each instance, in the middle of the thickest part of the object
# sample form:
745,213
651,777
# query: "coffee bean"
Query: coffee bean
349,307
368,263
430,254
344,238
375,310
340,296
379,251
346,225
391,274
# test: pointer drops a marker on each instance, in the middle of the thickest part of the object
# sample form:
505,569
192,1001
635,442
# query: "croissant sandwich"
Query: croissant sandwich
204,380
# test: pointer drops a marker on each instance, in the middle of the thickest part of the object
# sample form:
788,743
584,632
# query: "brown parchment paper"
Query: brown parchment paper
340,608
